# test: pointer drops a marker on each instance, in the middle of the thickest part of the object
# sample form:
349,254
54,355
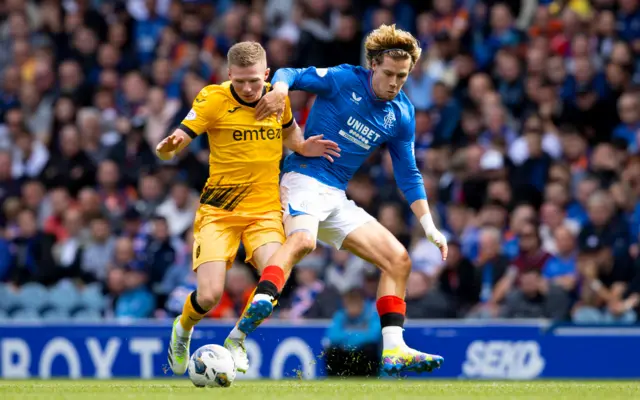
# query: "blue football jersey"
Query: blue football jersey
348,112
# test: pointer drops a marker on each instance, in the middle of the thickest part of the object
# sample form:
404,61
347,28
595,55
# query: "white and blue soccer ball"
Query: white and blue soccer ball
212,366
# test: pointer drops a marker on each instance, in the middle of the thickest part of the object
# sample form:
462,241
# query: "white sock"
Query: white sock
262,296
392,337
237,334
181,331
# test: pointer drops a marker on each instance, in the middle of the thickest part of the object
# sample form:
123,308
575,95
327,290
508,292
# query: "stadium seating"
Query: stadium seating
32,297
64,297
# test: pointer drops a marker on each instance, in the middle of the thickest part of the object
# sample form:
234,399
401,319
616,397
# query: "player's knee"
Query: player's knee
303,243
399,265
208,296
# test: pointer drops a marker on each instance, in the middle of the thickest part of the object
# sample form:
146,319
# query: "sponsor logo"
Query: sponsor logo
257,134
502,359
234,109
355,98
360,134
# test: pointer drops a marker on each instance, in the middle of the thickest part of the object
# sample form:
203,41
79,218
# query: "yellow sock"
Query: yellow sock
190,316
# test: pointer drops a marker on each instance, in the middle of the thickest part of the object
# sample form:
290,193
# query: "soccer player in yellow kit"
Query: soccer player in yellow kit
240,201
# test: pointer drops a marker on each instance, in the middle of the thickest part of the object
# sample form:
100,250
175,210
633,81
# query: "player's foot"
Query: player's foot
178,354
405,359
258,311
239,353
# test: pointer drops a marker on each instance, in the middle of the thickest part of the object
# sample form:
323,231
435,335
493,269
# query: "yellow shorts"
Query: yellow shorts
217,233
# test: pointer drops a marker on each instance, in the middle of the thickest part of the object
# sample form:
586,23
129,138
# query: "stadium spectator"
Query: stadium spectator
608,290
456,290
68,252
530,256
417,297
561,269
9,187
31,253
536,298
71,167
492,268
126,281
353,338
604,222
179,208
345,271
98,250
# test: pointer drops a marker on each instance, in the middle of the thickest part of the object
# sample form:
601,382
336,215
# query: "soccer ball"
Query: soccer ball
212,366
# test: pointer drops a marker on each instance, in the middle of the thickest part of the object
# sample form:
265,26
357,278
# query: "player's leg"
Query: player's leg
303,210
374,243
352,229
211,277
266,237
214,250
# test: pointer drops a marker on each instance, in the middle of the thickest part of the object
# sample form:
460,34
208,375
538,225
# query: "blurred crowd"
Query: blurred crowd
527,133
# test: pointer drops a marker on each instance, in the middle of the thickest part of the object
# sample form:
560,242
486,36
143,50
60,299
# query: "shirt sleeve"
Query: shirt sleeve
287,115
321,81
203,113
405,169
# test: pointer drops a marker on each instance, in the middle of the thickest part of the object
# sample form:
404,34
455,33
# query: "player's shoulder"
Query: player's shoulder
215,91
345,71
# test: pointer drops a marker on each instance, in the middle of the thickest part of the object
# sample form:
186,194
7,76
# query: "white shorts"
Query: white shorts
337,215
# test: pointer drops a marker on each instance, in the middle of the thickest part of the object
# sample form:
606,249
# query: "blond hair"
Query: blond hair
246,54
392,42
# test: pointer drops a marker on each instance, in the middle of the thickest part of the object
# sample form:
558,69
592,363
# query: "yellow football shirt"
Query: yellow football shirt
245,154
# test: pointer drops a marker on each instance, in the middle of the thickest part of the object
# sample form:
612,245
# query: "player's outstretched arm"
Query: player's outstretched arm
199,119
314,146
172,144
409,179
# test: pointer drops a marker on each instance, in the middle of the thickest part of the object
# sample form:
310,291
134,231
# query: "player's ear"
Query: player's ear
266,73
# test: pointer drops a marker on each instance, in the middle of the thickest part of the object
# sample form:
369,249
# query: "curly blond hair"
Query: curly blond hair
387,40
246,54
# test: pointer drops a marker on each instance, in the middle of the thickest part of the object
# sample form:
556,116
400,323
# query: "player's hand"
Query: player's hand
271,103
315,146
169,144
436,237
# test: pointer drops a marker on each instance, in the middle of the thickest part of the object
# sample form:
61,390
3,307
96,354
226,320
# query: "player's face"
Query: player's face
248,81
389,76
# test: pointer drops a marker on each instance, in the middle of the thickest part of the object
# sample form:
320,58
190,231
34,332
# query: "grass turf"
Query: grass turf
320,390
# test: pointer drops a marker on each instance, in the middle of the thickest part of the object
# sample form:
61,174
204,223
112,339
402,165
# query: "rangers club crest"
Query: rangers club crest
389,119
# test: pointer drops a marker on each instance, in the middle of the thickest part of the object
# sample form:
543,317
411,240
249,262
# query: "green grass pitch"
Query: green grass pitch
320,390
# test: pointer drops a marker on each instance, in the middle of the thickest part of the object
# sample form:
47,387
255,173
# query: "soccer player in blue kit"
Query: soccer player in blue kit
360,109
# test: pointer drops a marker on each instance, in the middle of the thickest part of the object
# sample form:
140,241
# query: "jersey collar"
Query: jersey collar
244,103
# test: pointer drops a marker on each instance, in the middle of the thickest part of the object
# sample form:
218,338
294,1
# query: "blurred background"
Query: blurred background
527,134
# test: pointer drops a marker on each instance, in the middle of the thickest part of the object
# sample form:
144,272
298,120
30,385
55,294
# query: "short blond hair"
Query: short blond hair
387,40
246,54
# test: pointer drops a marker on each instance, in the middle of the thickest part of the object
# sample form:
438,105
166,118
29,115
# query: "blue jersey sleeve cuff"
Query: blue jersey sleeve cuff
415,193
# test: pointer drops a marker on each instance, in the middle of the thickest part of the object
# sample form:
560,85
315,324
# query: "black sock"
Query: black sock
392,319
267,287
194,303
